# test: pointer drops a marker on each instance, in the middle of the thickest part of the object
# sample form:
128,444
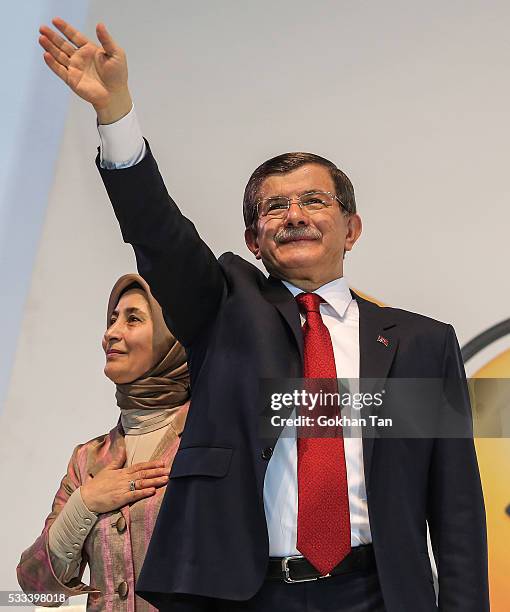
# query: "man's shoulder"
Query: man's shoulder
417,319
234,265
232,259
404,318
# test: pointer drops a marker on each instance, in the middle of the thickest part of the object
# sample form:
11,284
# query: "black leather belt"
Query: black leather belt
298,569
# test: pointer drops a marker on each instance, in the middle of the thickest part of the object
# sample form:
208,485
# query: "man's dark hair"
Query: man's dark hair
282,164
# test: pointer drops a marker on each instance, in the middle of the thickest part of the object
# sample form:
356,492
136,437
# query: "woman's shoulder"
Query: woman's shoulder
102,440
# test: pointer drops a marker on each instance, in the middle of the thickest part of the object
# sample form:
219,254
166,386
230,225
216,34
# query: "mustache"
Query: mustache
288,234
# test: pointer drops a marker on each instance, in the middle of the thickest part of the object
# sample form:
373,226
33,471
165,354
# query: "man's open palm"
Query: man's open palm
94,72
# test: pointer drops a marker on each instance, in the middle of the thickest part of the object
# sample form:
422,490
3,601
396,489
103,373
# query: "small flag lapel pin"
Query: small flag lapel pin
383,340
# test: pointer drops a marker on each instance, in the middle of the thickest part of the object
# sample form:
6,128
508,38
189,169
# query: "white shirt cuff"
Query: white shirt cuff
122,143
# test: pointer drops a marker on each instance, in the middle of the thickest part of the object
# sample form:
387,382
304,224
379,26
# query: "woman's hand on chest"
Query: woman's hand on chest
116,486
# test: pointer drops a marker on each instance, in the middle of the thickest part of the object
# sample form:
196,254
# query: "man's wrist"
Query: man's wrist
118,107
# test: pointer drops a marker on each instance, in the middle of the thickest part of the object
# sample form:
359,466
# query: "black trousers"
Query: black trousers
353,592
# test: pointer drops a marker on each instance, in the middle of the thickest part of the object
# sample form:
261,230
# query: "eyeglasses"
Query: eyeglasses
276,207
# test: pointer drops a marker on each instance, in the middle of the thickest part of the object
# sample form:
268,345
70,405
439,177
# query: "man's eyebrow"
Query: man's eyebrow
314,190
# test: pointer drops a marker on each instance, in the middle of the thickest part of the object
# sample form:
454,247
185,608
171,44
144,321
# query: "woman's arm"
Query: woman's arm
67,536
42,568
35,570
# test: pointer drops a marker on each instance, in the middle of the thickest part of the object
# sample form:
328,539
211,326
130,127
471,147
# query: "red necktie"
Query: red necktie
324,525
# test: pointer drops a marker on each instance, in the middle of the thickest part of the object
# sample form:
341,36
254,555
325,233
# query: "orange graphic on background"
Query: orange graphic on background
494,461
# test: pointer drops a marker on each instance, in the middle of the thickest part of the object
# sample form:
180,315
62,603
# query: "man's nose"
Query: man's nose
296,215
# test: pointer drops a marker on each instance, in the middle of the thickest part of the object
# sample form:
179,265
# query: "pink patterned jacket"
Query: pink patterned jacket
116,546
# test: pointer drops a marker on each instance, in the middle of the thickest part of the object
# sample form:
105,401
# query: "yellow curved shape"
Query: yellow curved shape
365,296
494,461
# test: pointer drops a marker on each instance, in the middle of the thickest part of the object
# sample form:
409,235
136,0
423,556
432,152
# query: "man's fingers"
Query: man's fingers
56,67
57,40
58,55
105,39
69,32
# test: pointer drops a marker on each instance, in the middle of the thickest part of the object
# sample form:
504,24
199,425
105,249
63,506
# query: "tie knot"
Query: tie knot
309,302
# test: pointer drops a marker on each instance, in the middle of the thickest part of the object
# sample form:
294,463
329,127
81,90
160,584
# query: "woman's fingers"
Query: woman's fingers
57,40
150,475
134,496
149,483
69,32
145,465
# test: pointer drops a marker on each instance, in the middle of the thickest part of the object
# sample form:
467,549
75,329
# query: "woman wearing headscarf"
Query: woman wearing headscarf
104,511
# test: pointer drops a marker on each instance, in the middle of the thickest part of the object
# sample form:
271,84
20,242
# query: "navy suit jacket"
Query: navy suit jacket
238,327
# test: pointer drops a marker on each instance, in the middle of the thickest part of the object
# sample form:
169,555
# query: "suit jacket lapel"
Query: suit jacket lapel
378,342
276,293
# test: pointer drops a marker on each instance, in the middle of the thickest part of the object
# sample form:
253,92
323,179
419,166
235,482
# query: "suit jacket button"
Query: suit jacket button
267,453
121,524
123,589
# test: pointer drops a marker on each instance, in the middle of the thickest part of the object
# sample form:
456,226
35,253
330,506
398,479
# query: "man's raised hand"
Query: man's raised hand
96,73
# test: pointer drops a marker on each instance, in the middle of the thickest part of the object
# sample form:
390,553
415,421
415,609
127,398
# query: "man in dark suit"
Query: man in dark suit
275,522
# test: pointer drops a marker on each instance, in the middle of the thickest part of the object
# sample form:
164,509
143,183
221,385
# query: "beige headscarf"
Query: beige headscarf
151,402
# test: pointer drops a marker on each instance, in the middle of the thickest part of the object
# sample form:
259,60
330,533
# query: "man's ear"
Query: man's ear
250,236
354,227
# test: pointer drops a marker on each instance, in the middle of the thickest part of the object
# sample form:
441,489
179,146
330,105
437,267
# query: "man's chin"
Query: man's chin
286,264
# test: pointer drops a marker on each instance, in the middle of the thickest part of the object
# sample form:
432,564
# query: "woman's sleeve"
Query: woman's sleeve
36,573
67,535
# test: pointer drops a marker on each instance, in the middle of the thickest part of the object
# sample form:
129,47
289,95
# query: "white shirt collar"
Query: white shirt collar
336,293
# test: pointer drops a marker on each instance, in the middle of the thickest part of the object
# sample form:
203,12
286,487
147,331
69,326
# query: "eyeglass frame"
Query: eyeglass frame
300,204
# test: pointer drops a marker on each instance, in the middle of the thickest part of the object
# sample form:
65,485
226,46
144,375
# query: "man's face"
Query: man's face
301,244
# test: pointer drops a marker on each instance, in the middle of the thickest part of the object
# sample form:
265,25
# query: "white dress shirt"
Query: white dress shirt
122,145
341,317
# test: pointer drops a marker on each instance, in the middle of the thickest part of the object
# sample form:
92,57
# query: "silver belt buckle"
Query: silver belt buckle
286,571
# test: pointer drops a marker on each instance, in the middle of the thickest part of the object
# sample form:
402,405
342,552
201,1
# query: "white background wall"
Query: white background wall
410,98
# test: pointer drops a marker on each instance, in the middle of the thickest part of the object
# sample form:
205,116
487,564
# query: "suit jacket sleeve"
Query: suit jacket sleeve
184,275
456,513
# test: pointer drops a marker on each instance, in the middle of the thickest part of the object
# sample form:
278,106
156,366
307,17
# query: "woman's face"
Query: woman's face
127,342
